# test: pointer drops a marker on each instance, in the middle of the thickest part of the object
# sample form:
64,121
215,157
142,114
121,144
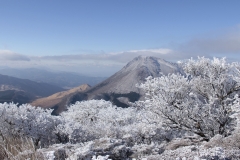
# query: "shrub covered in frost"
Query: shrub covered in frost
201,101
28,121
103,119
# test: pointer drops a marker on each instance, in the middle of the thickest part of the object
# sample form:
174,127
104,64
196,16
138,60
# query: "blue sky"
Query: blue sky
81,33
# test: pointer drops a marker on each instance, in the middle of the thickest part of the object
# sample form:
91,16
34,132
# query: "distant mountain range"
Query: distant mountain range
65,80
121,88
24,91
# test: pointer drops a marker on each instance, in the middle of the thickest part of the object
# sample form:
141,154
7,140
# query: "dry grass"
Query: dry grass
17,148
51,101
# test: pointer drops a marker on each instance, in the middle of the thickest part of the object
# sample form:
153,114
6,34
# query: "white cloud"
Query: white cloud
117,57
158,51
127,56
226,44
6,55
103,64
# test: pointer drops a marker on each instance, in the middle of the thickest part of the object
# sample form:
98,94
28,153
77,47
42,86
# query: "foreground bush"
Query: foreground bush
101,118
28,121
201,101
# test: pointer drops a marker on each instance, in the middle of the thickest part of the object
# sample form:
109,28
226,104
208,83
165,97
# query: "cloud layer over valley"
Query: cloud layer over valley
219,44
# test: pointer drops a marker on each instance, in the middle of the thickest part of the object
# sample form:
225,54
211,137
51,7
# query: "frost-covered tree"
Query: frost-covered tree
100,117
200,101
28,121
103,119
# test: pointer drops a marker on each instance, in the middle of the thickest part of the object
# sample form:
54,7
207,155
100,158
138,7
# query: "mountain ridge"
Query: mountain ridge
59,100
12,89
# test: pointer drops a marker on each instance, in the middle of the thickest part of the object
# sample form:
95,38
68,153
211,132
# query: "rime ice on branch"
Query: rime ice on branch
200,101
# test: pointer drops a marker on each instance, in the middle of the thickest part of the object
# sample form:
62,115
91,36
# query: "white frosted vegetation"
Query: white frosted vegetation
103,119
201,101
28,121
189,116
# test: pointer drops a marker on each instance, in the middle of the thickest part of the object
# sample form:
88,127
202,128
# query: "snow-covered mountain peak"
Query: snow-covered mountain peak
135,72
153,64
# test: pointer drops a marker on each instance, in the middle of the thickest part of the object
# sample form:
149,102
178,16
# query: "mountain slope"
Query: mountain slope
121,87
125,80
59,100
23,90
15,96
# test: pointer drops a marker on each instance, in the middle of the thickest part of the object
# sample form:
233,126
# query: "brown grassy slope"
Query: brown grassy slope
59,99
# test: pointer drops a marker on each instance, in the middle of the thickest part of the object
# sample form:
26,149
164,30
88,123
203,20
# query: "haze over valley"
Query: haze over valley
65,80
